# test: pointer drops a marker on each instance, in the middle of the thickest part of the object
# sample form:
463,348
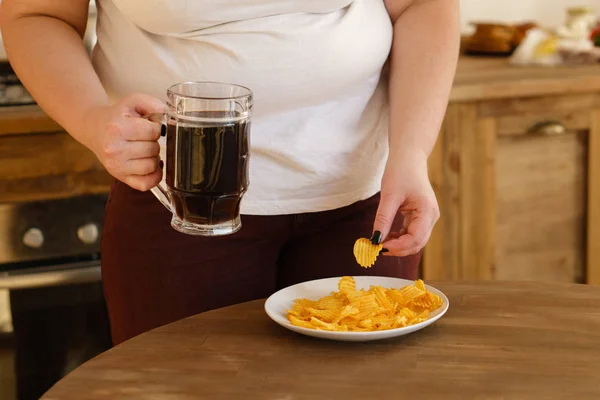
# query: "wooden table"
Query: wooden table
497,341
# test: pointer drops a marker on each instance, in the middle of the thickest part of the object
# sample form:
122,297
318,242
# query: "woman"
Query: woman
329,162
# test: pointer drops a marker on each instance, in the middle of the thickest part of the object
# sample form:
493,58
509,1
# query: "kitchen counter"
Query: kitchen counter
25,120
479,78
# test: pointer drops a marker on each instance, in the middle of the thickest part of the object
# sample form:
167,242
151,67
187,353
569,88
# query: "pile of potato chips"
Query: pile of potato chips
377,308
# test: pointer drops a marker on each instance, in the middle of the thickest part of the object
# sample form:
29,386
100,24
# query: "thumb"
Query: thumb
386,214
144,104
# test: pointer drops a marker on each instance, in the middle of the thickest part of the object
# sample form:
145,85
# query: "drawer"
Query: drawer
519,116
48,165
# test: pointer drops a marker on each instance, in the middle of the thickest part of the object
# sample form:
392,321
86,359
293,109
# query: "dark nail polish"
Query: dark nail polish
384,251
163,130
161,164
376,238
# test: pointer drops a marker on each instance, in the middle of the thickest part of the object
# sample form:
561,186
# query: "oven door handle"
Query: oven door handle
53,276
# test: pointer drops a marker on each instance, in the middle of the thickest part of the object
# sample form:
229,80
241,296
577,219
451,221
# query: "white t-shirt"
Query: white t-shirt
320,119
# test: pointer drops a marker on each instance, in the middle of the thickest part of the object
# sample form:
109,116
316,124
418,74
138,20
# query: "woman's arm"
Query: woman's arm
43,40
423,64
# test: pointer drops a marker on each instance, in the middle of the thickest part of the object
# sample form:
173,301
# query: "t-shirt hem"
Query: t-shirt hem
301,206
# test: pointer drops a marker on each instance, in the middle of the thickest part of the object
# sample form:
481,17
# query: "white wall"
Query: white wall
545,12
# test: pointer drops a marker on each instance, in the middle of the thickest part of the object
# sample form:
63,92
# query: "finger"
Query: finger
142,166
143,130
142,149
407,218
144,104
143,182
418,232
386,213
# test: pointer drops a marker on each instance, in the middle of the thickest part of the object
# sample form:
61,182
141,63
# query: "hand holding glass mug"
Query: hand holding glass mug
124,142
205,152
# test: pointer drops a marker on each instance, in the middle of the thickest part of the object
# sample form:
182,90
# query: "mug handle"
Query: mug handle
161,191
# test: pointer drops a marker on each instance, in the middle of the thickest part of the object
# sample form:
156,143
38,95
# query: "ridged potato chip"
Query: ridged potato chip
353,310
347,285
329,302
366,252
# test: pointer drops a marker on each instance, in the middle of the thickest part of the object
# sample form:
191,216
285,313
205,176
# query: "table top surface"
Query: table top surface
498,340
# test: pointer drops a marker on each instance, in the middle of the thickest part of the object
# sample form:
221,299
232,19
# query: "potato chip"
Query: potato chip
299,309
397,298
377,308
427,301
366,252
400,321
411,293
408,313
367,306
325,315
366,324
329,302
347,285
348,311
349,323
318,324
300,322
381,297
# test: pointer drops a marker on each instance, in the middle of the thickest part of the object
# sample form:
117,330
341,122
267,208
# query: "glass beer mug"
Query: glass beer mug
205,155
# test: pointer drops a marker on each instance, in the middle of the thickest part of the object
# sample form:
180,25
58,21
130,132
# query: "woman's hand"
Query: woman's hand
424,56
125,142
405,188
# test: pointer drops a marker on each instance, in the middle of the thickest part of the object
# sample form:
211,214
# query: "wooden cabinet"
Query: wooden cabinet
517,178
39,160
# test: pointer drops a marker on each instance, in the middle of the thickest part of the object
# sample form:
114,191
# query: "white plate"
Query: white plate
278,303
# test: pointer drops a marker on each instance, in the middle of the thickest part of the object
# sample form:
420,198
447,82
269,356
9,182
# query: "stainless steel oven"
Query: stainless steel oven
50,264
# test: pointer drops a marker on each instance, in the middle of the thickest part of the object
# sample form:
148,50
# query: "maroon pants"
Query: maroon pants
154,275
